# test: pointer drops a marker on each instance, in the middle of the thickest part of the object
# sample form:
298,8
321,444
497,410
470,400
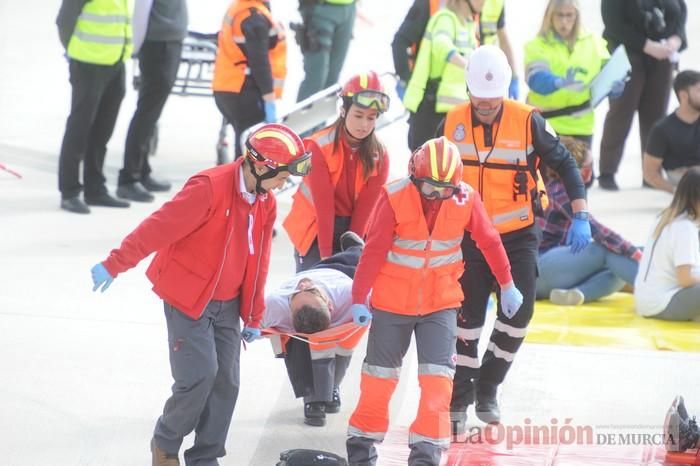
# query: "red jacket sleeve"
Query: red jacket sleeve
488,240
323,194
174,220
379,239
368,197
254,282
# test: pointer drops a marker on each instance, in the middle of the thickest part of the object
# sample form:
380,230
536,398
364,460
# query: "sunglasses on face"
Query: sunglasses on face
431,189
372,99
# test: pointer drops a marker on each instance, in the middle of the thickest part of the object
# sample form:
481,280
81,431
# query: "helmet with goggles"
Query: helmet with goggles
278,148
366,91
436,168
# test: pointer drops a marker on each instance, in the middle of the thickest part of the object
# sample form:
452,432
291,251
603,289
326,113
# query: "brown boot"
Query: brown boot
160,458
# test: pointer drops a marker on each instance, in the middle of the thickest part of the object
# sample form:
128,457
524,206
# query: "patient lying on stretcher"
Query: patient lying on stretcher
309,314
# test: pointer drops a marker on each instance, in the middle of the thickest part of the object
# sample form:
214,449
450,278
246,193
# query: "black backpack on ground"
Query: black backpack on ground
303,457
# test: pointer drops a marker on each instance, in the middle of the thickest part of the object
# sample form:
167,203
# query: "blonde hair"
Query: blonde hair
547,21
686,200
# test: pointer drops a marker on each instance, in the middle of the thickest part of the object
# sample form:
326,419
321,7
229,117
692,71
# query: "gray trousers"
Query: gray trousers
328,373
389,338
205,364
685,305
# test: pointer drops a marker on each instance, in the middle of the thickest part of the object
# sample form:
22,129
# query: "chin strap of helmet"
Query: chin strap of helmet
270,173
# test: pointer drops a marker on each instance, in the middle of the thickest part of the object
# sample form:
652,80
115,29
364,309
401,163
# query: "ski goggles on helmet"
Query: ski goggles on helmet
300,166
431,189
371,99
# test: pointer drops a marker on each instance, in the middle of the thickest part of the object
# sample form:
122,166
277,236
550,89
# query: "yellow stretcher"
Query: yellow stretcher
609,322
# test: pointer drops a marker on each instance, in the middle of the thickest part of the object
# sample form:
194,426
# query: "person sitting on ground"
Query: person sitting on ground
601,268
681,433
674,141
309,302
668,284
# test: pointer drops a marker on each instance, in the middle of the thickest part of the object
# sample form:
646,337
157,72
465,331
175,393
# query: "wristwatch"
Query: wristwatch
582,215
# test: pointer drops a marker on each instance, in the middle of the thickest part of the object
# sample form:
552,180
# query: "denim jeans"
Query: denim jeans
595,271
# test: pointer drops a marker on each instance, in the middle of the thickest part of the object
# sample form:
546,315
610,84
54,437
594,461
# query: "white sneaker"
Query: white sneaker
562,297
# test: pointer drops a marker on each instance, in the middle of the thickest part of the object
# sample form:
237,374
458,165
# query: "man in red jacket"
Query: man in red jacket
212,244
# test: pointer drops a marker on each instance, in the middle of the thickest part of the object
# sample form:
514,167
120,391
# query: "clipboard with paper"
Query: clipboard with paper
616,69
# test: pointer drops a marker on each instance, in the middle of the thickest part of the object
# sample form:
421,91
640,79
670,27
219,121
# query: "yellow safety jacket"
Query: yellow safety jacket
102,34
507,184
488,21
231,65
421,272
445,33
551,54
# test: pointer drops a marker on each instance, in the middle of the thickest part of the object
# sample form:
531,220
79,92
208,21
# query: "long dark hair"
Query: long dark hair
371,152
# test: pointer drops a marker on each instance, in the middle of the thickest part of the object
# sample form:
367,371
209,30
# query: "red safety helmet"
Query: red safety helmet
278,148
366,91
436,168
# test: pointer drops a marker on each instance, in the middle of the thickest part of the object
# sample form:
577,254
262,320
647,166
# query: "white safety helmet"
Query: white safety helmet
488,72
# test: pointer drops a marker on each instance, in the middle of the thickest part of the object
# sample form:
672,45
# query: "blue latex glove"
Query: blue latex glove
569,81
400,89
511,300
618,87
100,277
514,89
360,314
270,111
250,334
579,235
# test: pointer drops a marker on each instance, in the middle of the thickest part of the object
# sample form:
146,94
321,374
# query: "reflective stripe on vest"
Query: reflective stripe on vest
231,66
421,270
300,223
553,55
507,155
451,89
488,19
102,34
493,171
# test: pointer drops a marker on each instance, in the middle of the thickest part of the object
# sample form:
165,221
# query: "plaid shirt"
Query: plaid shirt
557,219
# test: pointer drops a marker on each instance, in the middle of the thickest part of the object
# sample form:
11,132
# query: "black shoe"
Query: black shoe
105,200
607,182
75,205
680,434
458,420
154,185
315,413
135,192
333,406
487,409
350,239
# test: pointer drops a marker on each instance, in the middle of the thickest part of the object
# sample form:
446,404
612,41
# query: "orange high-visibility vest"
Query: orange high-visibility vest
231,65
421,272
301,224
508,202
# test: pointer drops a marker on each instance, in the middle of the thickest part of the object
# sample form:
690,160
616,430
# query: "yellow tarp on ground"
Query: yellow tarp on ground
609,322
